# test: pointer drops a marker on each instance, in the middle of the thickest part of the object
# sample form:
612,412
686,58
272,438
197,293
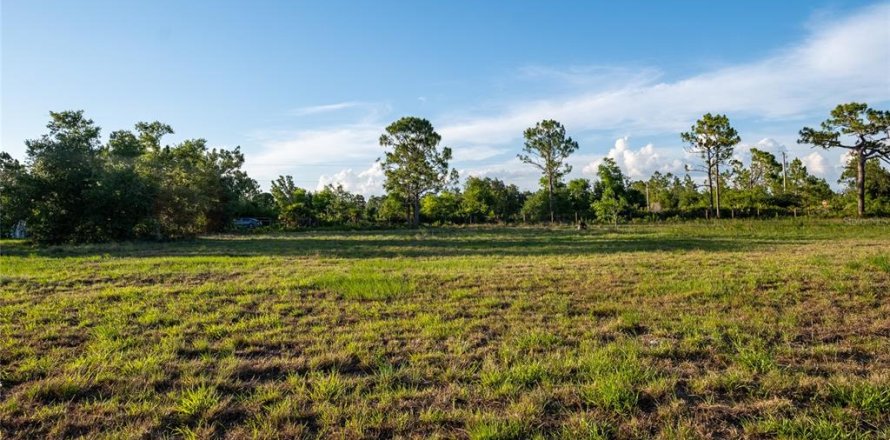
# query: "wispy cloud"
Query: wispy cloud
285,152
840,61
326,108
847,60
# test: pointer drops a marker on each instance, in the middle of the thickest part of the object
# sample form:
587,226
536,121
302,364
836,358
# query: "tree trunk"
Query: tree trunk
550,195
415,204
717,188
860,184
710,185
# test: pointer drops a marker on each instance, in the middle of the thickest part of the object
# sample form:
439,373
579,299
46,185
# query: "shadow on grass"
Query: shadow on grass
425,243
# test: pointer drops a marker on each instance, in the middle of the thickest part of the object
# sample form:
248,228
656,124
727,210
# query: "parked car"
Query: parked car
246,222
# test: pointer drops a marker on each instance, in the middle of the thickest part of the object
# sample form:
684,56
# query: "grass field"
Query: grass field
697,330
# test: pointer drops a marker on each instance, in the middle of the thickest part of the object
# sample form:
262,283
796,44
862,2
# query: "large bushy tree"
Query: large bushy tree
73,188
610,193
63,168
863,131
877,185
14,192
413,164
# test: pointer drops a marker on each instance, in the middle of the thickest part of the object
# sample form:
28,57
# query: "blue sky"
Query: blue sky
306,88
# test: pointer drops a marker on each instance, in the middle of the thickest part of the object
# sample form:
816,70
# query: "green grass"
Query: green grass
772,329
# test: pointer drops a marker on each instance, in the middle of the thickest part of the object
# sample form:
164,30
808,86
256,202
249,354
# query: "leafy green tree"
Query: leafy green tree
547,148
812,191
151,133
609,177
391,208
260,206
413,164
294,204
200,188
713,139
610,191
756,186
580,197
877,185
609,206
442,207
229,185
14,193
507,200
122,201
63,168
536,206
478,199
799,179
335,205
662,193
688,195
80,190
124,146
765,172
864,131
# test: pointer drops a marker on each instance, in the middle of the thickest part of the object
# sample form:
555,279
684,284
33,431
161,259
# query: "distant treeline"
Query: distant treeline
74,188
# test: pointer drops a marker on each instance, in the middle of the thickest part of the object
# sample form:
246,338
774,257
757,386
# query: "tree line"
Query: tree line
74,188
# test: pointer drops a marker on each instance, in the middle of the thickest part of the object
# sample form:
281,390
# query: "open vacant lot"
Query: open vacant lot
735,329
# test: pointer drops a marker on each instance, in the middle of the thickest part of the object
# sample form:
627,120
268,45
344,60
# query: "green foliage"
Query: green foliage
334,205
62,170
812,191
536,207
74,189
14,192
443,207
877,185
610,193
546,148
387,209
294,204
864,131
413,164
487,199
713,139
580,197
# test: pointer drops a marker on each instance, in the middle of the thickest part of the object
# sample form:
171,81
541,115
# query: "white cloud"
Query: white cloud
771,145
285,153
742,151
512,171
326,108
843,61
637,164
476,153
367,182
592,77
815,163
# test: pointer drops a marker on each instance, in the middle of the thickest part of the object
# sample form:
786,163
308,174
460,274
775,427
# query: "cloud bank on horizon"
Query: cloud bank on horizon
767,99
